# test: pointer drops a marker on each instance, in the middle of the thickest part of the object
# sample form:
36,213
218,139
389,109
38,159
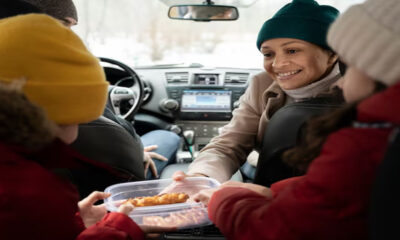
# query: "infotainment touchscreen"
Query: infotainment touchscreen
206,101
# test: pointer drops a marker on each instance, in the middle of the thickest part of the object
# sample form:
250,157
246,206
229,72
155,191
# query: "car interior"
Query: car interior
193,99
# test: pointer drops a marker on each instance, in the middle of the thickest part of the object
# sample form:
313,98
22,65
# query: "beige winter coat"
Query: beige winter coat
224,155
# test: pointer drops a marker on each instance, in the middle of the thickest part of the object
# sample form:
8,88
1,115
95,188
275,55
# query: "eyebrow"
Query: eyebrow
284,44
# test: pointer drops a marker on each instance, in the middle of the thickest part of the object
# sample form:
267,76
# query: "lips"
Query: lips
287,75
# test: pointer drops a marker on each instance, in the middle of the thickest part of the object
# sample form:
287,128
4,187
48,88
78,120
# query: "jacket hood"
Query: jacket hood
381,107
23,123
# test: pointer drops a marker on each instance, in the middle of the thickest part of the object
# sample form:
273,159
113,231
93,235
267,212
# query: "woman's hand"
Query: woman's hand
90,213
148,156
180,176
196,194
181,185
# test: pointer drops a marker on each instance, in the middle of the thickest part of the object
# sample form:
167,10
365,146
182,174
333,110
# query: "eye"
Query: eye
268,55
292,51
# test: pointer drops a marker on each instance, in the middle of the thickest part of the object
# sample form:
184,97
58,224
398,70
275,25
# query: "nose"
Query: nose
280,61
69,22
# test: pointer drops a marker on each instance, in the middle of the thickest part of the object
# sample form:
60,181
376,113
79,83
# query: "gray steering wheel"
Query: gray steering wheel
120,97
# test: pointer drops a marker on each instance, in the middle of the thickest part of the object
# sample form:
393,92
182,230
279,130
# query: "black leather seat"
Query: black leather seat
385,197
282,133
107,142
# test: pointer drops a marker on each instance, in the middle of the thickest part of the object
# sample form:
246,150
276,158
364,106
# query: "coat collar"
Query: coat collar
275,91
274,97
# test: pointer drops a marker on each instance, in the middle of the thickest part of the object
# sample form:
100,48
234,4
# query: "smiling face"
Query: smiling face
294,63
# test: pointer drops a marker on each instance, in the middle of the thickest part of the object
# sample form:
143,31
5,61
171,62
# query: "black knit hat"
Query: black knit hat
59,9
301,19
10,8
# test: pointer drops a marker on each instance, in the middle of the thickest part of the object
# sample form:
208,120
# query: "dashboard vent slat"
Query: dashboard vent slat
177,77
232,78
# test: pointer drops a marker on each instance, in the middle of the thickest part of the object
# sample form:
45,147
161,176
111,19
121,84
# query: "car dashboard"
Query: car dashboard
196,99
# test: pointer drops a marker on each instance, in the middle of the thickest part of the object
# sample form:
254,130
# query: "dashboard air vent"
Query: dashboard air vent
177,77
233,78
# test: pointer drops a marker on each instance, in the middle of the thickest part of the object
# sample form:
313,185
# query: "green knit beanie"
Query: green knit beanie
301,19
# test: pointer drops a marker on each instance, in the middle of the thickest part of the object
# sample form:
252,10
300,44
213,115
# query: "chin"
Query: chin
287,86
68,140
292,85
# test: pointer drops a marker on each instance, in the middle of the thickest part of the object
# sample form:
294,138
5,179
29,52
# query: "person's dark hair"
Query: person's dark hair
316,132
342,67
10,8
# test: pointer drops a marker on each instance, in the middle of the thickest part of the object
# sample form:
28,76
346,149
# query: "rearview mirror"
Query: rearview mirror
203,12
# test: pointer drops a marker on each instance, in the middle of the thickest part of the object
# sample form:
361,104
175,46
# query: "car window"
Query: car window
140,33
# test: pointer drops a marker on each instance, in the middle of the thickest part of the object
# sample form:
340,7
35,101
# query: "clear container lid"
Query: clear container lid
181,215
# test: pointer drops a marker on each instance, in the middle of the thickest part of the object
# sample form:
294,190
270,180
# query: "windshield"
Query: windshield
139,33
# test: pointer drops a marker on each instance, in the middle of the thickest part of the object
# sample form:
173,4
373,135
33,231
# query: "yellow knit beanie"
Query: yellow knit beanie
61,75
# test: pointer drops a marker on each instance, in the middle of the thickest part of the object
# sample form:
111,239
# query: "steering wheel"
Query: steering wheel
122,98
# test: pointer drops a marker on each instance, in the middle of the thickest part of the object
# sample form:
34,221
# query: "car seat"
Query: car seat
107,142
282,133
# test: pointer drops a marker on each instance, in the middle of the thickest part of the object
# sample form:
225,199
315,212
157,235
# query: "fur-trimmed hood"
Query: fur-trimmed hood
23,123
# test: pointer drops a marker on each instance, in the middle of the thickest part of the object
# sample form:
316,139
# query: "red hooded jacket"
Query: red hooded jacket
331,200
35,203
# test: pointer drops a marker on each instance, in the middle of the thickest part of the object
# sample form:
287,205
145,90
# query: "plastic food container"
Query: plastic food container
180,215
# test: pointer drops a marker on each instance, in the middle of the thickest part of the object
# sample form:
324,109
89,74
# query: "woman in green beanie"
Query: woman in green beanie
299,65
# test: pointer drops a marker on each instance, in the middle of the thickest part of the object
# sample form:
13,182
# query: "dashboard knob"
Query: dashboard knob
176,129
169,105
